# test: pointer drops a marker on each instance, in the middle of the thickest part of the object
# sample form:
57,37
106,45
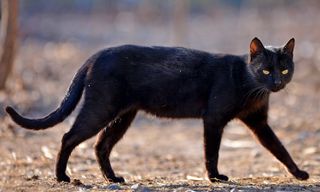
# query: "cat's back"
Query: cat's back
137,63
127,60
160,55
157,55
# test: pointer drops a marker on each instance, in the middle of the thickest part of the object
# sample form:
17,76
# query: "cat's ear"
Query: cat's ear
288,48
256,47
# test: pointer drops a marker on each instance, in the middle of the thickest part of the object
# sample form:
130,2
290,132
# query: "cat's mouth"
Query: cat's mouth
276,88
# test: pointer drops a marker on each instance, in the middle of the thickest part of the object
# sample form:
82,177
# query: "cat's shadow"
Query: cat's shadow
247,184
236,185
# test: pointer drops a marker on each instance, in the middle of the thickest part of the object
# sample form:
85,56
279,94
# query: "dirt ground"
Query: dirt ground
159,154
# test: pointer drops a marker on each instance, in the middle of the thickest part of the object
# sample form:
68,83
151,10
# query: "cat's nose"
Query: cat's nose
277,83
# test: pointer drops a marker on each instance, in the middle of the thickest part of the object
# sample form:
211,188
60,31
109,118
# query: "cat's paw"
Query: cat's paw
218,178
301,175
63,177
116,180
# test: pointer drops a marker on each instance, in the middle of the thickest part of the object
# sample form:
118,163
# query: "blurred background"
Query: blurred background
43,43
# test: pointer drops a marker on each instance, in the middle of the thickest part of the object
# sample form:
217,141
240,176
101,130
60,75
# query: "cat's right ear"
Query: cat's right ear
256,48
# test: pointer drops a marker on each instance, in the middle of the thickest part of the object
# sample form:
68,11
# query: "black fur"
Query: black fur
67,106
175,83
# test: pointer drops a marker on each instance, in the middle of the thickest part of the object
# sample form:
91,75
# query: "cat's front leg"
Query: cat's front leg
212,139
257,122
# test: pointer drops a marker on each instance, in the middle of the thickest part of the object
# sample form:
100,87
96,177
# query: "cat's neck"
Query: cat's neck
245,58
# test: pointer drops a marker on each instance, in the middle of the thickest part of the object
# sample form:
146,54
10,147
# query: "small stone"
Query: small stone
113,187
32,176
14,156
77,182
282,191
83,146
193,178
139,188
180,189
135,186
256,153
47,152
190,190
310,150
81,189
29,159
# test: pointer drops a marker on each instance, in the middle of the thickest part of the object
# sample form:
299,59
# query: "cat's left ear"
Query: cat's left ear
288,48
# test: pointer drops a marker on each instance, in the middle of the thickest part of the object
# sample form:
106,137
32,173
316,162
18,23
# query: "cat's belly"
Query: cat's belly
175,111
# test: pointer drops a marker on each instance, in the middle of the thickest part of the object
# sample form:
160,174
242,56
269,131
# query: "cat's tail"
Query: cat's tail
66,107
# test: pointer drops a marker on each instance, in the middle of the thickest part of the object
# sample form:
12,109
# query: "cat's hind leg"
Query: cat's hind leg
218,114
91,119
107,139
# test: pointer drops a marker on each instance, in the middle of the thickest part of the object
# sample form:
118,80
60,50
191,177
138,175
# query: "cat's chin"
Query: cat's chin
276,89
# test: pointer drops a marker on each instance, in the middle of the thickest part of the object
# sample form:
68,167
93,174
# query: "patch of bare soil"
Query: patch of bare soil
155,155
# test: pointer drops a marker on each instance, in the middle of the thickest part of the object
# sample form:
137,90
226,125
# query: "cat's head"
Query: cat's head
271,67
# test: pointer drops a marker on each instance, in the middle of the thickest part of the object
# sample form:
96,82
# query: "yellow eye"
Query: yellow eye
284,72
266,72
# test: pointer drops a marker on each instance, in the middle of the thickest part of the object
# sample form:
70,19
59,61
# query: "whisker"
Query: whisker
255,93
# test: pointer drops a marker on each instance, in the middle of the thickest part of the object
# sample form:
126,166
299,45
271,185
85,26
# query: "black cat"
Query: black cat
176,83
